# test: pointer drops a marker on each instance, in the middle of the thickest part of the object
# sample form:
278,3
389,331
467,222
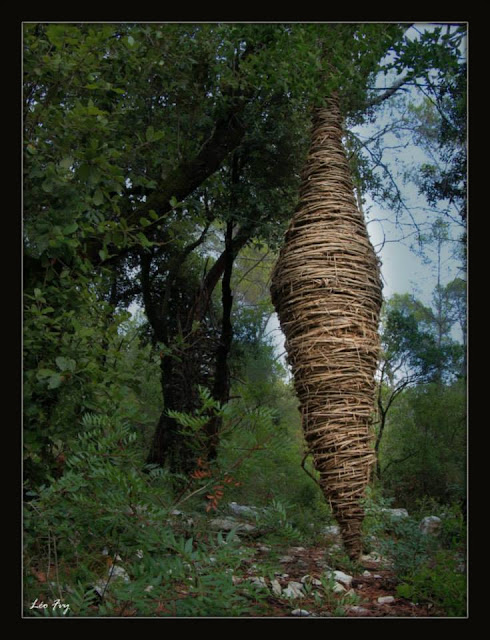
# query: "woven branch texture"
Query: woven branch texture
326,289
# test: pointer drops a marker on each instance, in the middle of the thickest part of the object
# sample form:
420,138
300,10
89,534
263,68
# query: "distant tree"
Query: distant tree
416,349
424,449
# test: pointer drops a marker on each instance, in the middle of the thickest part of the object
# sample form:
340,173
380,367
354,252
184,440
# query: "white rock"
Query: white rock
117,571
276,587
227,524
100,587
357,609
286,559
338,588
340,576
386,599
311,580
395,513
376,558
370,557
148,588
430,525
366,573
259,581
297,549
300,612
332,530
294,590
242,510
114,572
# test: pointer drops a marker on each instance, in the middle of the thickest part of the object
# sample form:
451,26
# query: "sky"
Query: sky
403,271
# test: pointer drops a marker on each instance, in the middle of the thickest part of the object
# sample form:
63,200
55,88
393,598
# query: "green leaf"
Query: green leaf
92,110
56,34
45,373
66,364
144,240
188,546
54,381
70,228
131,41
150,133
98,197
103,254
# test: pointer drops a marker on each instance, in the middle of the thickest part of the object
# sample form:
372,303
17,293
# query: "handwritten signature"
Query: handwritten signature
56,604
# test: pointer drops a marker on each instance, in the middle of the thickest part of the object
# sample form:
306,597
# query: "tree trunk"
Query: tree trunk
169,445
326,289
202,360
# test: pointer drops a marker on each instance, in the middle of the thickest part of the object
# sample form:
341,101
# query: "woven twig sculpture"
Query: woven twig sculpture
326,289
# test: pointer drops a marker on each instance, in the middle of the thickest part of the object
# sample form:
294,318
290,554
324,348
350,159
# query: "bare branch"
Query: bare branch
389,92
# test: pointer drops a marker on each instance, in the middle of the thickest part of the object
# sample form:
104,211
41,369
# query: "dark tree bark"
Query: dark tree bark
221,388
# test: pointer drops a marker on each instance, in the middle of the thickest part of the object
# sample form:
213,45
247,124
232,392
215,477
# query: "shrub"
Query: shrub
438,581
105,518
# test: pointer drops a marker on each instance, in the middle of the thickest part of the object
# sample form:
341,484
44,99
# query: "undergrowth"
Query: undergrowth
101,540
430,568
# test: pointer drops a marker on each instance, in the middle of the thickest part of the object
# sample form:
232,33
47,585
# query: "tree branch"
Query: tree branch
389,92
185,178
398,460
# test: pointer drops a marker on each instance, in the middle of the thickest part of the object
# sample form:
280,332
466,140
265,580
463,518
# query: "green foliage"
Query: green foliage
416,339
436,49
195,423
440,582
114,117
79,355
421,439
424,448
440,123
105,514
429,568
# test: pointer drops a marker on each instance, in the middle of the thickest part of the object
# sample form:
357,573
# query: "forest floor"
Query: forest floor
274,575
364,590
